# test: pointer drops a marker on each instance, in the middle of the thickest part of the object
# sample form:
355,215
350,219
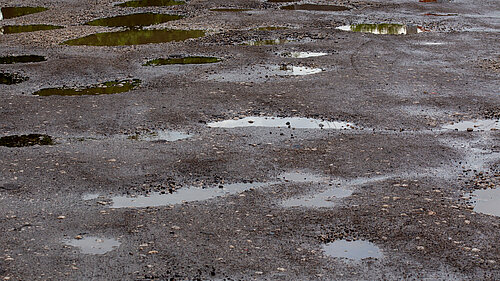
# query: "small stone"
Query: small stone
259,272
467,221
153,252
421,248
78,237
470,129
475,250
176,227
431,213
61,217
281,269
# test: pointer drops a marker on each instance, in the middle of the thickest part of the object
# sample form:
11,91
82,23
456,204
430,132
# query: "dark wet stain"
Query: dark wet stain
21,59
107,88
10,186
229,10
26,140
11,78
135,37
354,250
146,3
313,7
440,15
182,60
134,20
383,28
9,29
13,12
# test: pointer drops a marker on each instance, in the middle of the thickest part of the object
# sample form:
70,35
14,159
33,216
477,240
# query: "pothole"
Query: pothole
314,7
13,12
11,78
160,136
148,3
383,28
486,201
134,20
325,198
182,60
93,245
260,73
106,88
21,59
10,29
182,195
266,42
233,10
355,250
303,55
283,122
26,140
477,125
135,37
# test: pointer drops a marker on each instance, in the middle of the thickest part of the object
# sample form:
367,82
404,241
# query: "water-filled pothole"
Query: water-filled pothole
314,7
106,88
11,78
21,59
303,55
283,122
191,194
325,198
147,3
302,177
26,140
486,201
266,42
383,28
182,60
477,125
293,70
160,136
134,20
93,245
13,12
10,29
135,37
355,250
234,10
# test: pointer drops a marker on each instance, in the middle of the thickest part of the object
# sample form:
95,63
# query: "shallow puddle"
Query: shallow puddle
13,12
434,1
303,55
229,10
383,28
182,60
90,196
478,125
134,20
135,37
11,78
297,70
282,1
93,245
160,136
191,194
282,122
325,198
355,250
266,42
146,3
486,201
302,177
313,7
26,140
21,59
9,29
107,88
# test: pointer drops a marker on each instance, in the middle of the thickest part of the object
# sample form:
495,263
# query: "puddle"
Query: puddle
303,55
313,7
433,1
182,60
13,12
9,29
134,20
383,28
106,88
302,177
486,201
282,1
93,245
135,37
11,78
326,198
191,194
146,3
26,140
90,196
266,42
297,70
282,122
229,10
21,59
261,73
160,135
478,125
355,250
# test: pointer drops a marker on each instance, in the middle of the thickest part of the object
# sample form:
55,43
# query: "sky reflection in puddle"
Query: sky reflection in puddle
93,245
282,122
355,250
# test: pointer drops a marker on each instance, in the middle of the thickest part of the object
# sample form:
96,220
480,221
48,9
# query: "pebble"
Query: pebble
420,248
